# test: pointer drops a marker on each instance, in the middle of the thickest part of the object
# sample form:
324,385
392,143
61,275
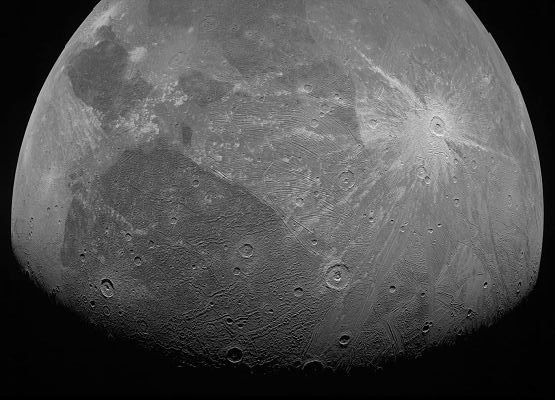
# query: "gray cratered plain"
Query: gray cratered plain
281,183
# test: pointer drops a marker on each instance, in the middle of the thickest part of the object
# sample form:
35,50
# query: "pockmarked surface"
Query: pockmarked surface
281,183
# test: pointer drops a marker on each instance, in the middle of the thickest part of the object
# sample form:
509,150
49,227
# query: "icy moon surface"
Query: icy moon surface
281,183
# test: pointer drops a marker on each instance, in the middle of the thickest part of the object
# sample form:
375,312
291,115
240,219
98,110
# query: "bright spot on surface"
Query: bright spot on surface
137,54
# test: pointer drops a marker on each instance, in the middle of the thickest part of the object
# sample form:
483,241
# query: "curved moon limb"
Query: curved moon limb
307,184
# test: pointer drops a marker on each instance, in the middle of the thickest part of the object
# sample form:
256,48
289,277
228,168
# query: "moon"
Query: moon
281,184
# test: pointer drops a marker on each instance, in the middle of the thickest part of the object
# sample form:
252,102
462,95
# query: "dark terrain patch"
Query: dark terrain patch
201,89
97,76
186,134
193,274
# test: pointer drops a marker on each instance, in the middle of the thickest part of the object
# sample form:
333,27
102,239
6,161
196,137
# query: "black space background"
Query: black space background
46,351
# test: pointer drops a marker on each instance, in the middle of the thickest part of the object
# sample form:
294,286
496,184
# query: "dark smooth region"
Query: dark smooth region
48,351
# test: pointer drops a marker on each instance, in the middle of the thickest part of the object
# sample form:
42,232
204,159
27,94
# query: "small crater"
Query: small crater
346,180
234,355
421,172
138,261
337,276
427,180
236,271
246,250
308,88
196,183
128,237
485,284
298,291
456,201
208,23
106,288
392,289
344,340
314,123
437,126
313,367
143,327
178,60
